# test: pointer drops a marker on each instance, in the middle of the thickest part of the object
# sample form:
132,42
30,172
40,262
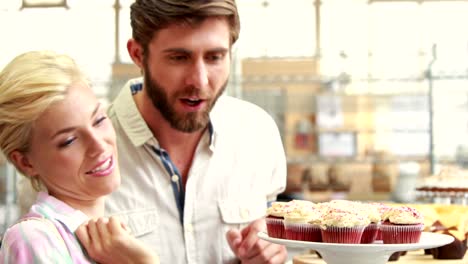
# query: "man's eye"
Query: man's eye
178,58
215,57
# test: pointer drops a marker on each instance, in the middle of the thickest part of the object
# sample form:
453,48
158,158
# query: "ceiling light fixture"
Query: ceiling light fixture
43,3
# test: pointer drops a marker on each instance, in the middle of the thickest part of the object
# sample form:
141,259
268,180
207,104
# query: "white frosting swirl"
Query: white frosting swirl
404,215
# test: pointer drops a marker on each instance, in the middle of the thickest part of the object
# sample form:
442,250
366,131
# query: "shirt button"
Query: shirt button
188,228
245,213
175,178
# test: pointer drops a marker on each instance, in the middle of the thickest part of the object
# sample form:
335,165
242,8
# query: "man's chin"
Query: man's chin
190,126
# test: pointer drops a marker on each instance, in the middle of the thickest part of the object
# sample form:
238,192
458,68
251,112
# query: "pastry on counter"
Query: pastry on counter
450,186
454,250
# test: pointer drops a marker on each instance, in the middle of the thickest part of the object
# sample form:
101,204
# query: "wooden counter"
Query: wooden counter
412,257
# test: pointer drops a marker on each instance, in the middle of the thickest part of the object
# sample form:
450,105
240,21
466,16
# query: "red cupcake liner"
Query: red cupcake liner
401,234
370,234
342,235
275,227
303,232
379,235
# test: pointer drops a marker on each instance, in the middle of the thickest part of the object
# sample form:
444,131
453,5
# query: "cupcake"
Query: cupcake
341,205
274,219
365,210
371,231
382,209
339,226
301,222
402,225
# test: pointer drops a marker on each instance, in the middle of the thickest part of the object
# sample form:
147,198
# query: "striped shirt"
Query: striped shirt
48,239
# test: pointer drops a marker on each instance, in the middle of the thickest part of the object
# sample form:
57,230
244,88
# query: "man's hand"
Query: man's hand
250,249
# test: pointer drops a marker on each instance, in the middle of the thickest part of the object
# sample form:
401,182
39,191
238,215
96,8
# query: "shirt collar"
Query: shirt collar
216,122
53,208
128,115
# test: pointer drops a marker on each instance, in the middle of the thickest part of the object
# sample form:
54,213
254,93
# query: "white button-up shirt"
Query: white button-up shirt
238,167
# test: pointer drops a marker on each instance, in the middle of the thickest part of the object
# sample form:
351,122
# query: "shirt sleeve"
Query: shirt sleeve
33,241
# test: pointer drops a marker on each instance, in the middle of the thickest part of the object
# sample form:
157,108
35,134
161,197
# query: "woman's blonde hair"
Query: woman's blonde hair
29,84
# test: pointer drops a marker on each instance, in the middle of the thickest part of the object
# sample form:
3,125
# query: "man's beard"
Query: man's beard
186,122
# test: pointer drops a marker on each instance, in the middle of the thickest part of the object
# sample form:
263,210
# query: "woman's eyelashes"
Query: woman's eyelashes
99,120
67,142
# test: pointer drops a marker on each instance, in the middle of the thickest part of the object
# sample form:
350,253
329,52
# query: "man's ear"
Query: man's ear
21,161
135,50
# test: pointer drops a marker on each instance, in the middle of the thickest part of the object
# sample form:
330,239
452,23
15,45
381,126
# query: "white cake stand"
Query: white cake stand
376,253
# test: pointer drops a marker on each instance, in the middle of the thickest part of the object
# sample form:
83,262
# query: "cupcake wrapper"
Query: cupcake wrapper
303,232
379,234
343,235
401,234
370,234
275,227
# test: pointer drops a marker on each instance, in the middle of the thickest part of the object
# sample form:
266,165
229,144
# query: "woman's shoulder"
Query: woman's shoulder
29,228
33,239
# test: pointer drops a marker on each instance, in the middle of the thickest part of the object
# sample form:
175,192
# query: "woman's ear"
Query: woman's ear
21,161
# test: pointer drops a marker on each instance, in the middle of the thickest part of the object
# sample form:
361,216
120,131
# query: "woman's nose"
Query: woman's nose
96,145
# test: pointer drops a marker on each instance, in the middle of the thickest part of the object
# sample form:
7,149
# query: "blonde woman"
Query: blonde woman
56,133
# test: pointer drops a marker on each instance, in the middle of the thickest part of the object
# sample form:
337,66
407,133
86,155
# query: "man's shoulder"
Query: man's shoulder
124,96
232,113
123,106
229,105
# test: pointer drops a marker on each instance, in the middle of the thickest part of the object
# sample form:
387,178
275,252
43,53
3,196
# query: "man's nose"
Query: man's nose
197,75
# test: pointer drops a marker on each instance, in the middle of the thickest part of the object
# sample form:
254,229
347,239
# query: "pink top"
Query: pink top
50,240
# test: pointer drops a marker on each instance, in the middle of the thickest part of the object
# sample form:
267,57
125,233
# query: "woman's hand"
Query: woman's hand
108,241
